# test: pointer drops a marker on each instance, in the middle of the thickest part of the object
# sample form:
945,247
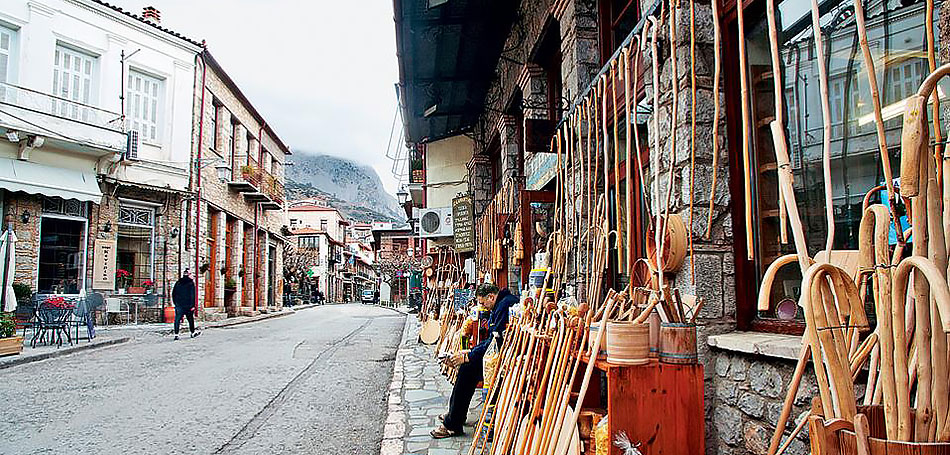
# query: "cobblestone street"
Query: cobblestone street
310,382
418,394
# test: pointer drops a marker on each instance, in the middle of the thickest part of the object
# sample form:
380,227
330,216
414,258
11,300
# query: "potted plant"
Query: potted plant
148,285
22,293
122,278
10,344
230,285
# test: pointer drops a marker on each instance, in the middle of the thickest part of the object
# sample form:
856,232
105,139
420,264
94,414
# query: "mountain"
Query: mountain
352,188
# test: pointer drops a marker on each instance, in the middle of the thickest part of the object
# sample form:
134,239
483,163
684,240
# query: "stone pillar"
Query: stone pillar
237,254
479,180
579,44
247,298
534,92
510,155
222,228
265,269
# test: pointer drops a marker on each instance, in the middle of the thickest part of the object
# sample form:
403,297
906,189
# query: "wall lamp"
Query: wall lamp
25,216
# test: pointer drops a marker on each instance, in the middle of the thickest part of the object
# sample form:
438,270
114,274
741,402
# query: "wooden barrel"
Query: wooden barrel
841,440
678,343
592,338
628,343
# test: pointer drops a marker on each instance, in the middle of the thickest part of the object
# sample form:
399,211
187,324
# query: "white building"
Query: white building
95,108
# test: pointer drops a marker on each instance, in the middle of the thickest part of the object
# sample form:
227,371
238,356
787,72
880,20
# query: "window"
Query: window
617,19
309,242
73,82
230,144
7,55
134,244
62,258
896,30
323,225
143,106
213,124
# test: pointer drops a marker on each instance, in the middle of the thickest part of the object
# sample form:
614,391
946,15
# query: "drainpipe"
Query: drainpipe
197,171
256,268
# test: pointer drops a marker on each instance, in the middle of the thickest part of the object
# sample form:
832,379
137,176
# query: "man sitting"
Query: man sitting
470,362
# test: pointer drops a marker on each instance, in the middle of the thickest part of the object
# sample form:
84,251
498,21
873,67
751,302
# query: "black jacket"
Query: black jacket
183,294
497,322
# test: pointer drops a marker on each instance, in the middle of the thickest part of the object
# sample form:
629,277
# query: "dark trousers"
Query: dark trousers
468,377
183,313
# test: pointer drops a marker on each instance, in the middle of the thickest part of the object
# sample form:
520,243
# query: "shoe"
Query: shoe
194,334
176,338
442,418
442,433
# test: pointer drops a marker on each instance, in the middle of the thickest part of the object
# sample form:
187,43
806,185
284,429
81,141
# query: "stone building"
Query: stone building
510,80
94,110
325,229
235,237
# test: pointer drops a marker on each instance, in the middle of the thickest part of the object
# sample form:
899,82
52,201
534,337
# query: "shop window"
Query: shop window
62,254
617,19
896,36
134,244
143,104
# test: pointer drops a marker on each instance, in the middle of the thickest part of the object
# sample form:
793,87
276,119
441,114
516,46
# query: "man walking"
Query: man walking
470,362
183,295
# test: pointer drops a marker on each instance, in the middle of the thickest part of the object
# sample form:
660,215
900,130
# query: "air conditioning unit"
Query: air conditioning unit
132,146
435,222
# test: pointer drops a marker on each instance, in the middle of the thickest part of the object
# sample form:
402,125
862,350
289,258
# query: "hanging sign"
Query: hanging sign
103,264
463,226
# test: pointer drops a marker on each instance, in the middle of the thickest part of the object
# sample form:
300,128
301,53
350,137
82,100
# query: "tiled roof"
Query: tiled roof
311,208
152,24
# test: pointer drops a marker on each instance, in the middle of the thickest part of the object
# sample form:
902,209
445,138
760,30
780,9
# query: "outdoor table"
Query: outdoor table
53,320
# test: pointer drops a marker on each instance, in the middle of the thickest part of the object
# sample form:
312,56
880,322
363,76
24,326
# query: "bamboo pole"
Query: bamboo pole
826,124
717,69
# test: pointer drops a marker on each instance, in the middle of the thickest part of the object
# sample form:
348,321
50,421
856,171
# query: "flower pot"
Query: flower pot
121,291
169,314
11,346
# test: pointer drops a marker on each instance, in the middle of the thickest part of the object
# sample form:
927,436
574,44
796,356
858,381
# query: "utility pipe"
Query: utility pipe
197,169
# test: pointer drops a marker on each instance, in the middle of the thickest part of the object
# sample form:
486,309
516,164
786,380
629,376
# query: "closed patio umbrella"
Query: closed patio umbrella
8,255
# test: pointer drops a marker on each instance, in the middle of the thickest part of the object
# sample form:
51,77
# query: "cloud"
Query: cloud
320,71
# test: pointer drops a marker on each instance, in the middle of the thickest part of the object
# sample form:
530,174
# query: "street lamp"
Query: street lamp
402,195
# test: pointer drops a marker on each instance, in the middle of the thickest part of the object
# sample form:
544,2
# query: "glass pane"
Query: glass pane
134,255
61,256
896,36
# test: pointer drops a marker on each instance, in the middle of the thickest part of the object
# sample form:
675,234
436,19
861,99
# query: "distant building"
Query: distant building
323,228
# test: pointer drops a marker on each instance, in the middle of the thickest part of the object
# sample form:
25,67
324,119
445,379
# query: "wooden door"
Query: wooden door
211,276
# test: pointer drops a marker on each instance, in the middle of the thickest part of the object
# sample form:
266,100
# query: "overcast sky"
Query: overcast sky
321,72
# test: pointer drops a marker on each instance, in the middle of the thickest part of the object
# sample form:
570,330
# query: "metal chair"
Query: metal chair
25,314
83,314
114,306
52,321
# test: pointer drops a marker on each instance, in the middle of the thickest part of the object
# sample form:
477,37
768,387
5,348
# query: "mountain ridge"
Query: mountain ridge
353,188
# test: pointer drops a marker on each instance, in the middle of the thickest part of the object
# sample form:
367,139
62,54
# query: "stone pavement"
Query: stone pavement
417,395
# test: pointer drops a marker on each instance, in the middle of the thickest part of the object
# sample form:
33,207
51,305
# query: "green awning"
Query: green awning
34,178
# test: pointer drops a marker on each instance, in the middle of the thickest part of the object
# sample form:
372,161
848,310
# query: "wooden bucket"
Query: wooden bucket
837,437
628,343
678,343
592,338
653,320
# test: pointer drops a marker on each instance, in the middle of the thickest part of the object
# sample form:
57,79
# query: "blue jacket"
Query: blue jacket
497,322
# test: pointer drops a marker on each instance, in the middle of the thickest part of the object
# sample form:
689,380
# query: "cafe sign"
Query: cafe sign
103,264
464,226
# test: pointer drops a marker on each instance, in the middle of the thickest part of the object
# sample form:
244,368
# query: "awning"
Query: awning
34,178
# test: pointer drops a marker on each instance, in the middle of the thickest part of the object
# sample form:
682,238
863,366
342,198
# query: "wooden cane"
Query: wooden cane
935,98
651,26
629,125
779,111
692,134
826,123
717,69
746,120
621,260
878,118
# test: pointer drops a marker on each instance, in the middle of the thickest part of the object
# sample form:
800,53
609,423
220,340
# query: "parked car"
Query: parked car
368,296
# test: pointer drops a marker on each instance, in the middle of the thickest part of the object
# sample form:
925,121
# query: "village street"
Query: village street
311,382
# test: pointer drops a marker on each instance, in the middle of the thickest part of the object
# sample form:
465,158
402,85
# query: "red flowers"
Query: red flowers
148,283
58,302
122,273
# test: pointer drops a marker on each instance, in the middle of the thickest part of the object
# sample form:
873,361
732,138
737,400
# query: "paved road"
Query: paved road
311,382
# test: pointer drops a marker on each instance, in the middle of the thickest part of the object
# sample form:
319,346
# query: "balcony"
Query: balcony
258,186
64,123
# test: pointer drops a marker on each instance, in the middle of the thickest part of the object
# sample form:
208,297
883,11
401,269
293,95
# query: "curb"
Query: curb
229,323
395,427
61,352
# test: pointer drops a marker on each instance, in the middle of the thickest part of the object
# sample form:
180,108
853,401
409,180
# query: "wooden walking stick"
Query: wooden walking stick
651,25
826,123
746,120
779,112
628,159
935,98
692,134
717,68
878,118
621,260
